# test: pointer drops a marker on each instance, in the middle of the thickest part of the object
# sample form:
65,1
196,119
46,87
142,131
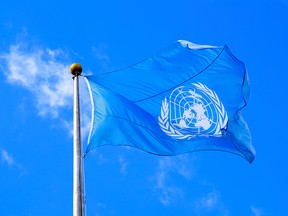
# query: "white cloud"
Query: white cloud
41,72
169,194
209,201
8,159
100,207
99,52
171,170
45,73
167,166
256,211
123,165
181,164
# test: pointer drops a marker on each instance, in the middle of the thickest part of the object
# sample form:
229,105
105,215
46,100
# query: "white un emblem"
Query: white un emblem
191,112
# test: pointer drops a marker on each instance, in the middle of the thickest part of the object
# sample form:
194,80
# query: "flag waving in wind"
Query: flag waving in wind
186,98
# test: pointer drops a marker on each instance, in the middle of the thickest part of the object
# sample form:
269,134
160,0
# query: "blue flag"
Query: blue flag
186,98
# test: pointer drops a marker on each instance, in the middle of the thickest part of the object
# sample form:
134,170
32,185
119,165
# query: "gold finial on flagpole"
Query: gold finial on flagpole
75,69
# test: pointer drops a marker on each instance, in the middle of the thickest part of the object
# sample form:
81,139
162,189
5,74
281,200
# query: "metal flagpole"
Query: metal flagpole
78,194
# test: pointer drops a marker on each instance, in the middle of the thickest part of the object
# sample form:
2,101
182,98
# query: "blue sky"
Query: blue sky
38,42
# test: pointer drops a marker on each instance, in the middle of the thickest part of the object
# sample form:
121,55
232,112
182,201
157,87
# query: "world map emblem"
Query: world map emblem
192,111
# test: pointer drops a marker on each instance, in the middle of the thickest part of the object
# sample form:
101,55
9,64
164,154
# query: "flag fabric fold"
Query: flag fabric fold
186,98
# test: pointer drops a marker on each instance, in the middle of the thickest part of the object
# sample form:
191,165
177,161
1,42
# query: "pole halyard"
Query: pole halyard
78,194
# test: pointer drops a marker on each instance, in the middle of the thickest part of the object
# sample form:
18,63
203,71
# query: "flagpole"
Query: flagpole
78,195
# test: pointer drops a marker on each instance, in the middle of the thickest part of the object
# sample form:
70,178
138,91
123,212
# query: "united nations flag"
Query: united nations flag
186,98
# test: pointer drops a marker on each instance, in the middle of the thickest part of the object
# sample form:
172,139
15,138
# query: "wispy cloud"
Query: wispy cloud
8,159
182,164
42,72
211,202
100,207
168,192
123,165
256,211
45,73
99,52
167,166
